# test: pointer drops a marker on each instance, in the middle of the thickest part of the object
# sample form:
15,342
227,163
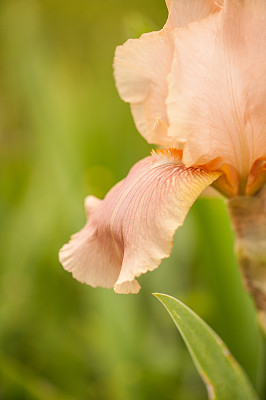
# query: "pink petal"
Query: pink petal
141,67
182,12
131,230
217,87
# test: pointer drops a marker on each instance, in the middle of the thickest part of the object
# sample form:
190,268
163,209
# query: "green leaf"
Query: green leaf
222,375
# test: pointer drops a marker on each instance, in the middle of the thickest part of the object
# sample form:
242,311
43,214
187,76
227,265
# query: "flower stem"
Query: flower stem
248,216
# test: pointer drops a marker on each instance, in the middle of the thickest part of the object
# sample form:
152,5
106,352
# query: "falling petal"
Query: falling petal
131,230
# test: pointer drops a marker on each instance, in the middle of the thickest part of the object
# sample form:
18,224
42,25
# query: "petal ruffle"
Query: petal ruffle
183,12
141,67
217,87
131,230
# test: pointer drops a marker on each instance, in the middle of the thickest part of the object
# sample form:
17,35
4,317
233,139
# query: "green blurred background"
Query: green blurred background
64,134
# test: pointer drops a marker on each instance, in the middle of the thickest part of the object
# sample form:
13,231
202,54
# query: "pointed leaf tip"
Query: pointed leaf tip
222,375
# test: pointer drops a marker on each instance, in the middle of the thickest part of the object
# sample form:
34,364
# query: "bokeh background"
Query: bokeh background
64,134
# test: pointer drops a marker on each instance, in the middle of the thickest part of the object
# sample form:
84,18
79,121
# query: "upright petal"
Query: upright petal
141,67
182,12
131,230
217,87
245,26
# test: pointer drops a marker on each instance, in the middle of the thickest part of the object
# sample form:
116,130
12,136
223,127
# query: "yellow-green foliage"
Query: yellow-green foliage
64,134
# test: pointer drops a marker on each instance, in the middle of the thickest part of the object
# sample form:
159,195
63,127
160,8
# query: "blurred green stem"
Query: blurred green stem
248,216
236,324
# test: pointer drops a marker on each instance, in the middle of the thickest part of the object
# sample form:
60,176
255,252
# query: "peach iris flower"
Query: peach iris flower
197,88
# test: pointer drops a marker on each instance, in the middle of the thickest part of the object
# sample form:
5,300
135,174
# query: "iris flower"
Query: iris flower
197,90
